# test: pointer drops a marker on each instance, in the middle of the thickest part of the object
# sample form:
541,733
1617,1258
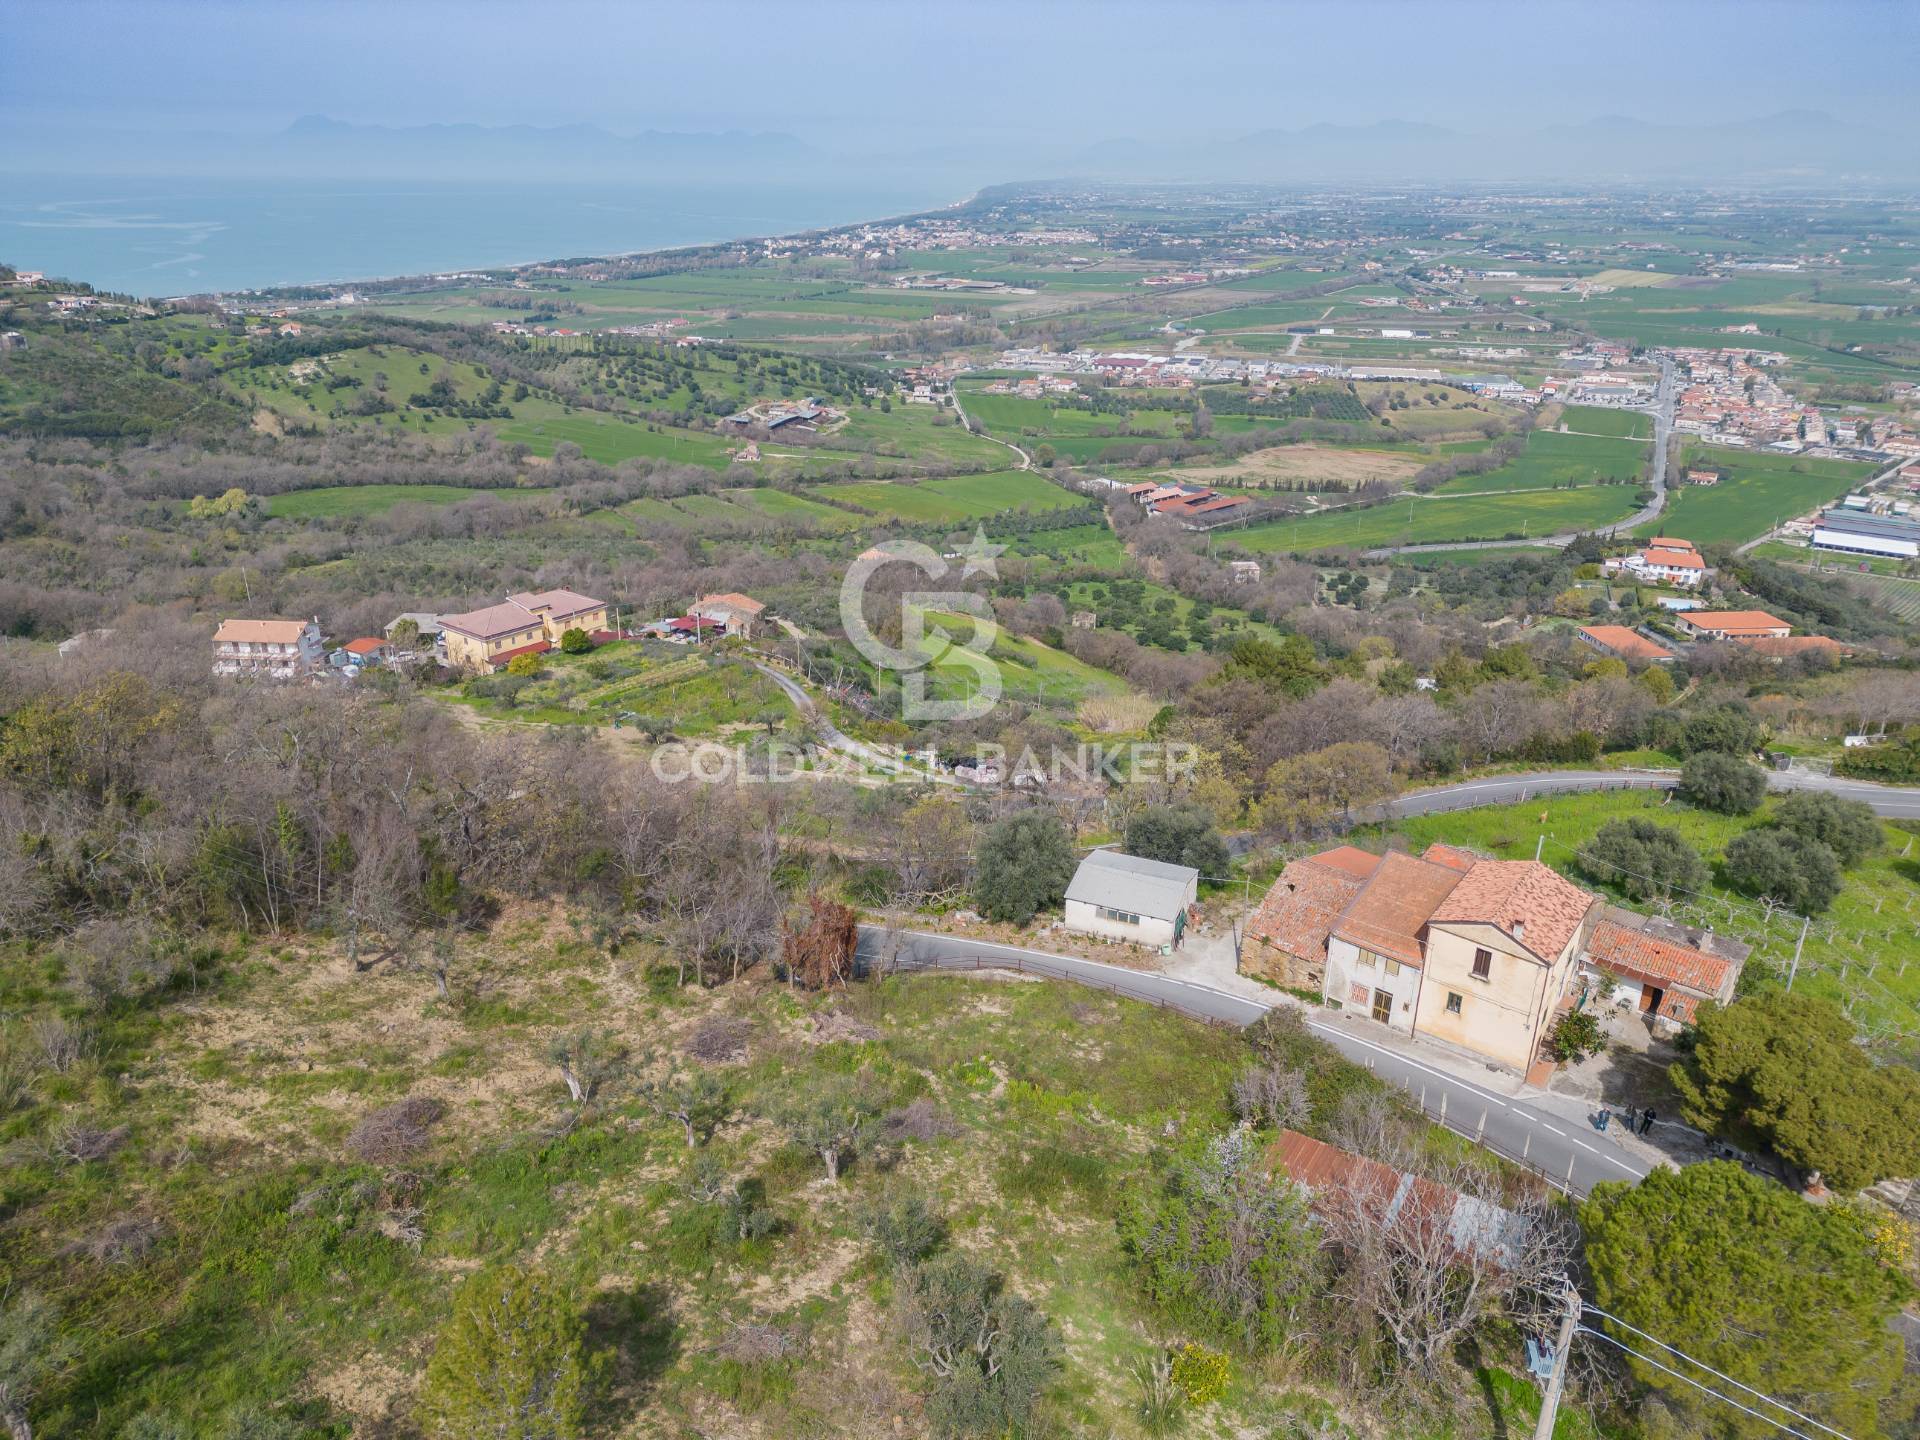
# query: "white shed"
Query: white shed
1123,897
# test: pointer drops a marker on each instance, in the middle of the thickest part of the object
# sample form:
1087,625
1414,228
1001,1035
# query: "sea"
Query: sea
156,237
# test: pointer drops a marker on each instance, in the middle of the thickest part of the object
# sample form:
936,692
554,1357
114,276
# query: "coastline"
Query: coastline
180,237
425,277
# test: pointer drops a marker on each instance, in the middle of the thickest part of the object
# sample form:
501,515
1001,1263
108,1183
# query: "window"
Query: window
1454,1002
1122,916
1393,968
1482,964
1363,960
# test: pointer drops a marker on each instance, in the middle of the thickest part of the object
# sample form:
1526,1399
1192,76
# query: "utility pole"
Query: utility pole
1806,923
1562,1347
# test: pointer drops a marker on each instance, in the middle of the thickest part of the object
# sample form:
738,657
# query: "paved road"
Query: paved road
1561,1146
837,739
1662,437
1885,800
1026,460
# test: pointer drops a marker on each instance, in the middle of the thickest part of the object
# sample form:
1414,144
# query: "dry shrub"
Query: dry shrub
818,952
121,1242
721,1039
389,1136
62,1043
841,1026
79,1143
918,1120
753,1343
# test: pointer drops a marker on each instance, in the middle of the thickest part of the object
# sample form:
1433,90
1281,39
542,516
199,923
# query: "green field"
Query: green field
1754,493
959,497
1552,459
346,500
1411,520
1599,420
1868,926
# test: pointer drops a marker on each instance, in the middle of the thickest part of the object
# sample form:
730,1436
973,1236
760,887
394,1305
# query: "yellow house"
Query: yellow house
529,623
1501,952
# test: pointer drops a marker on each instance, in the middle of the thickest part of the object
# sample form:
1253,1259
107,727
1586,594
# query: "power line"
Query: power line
1706,1389
1717,1374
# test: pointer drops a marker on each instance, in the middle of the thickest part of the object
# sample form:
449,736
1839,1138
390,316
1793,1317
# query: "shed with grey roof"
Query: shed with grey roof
1123,897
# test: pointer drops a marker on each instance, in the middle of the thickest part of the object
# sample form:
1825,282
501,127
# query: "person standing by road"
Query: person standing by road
1646,1120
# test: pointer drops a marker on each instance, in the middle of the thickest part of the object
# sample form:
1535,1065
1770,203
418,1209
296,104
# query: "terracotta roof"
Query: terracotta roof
1668,542
365,645
1793,644
561,602
492,620
501,661
1625,641
261,632
1439,854
1303,904
1657,961
735,599
1524,898
1673,559
1392,909
1732,622
1349,858
1390,1198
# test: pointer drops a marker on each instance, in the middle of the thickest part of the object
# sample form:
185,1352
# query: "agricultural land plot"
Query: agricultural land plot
1899,596
341,501
1029,670
1556,461
785,506
1755,493
611,439
1306,466
958,497
1867,921
1073,546
1146,610
1600,420
1416,520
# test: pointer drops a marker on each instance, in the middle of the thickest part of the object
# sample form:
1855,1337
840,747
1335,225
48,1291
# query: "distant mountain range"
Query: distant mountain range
1792,147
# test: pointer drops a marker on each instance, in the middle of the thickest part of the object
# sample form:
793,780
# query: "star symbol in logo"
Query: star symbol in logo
979,554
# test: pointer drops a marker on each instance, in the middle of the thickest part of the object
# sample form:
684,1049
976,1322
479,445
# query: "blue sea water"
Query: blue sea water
158,237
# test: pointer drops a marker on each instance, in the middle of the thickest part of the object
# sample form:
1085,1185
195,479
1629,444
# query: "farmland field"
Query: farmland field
1754,493
1552,459
960,497
1601,420
1302,466
1415,521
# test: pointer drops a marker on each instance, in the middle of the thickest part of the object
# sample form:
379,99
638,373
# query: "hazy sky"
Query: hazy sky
891,72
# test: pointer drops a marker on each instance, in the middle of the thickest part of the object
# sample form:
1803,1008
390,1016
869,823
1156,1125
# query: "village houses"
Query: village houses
733,612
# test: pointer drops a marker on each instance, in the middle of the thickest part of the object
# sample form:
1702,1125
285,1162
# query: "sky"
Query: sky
853,74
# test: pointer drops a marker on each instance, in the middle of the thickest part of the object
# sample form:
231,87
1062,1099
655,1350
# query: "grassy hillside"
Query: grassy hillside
244,1244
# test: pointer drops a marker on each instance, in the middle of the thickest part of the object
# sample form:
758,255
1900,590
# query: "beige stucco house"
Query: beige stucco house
1501,952
1469,952
272,649
529,623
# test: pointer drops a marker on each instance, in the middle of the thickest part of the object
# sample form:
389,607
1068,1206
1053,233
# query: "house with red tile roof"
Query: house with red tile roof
1471,952
1732,625
1653,967
1344,1187
1623,642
